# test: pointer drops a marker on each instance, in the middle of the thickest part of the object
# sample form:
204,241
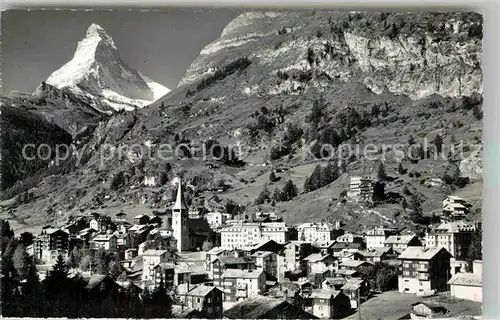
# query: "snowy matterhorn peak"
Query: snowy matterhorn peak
98,72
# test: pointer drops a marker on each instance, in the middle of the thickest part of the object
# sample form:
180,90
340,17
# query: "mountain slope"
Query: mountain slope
378,78
22,128
97,70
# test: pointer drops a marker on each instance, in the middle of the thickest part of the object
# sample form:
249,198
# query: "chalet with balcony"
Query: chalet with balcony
107,242
354,265
164,272
424,271
375,255
242,284
220,265
141,219
51,243
288,291
399,243
294,254
205,299
213,255
328,304
356,290
333,283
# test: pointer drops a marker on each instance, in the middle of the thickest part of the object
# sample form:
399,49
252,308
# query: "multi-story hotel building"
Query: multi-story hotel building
455,237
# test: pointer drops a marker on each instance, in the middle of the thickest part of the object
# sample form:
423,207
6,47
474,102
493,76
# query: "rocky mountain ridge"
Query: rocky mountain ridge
436,53
374,78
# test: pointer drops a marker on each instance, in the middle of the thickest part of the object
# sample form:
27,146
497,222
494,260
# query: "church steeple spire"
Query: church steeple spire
180,202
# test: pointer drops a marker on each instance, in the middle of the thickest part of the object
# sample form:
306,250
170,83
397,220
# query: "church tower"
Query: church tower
180,220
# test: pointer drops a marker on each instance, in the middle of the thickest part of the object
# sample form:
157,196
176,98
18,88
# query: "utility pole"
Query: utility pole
359,305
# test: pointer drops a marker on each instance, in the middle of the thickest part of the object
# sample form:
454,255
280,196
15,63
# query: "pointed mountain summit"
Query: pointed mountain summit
97,71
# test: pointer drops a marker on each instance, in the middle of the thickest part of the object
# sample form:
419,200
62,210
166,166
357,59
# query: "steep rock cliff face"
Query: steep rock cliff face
472,166
416,55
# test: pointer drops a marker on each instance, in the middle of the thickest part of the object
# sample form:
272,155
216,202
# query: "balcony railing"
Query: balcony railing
241,286
423,276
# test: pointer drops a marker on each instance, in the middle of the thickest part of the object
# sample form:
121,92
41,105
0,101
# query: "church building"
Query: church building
189,233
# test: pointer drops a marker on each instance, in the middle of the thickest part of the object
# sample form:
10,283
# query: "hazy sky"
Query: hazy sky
159,44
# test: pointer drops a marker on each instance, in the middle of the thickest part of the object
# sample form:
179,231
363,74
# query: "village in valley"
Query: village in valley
234,164
216,265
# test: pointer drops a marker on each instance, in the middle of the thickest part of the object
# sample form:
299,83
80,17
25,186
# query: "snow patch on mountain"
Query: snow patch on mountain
97,70
158,90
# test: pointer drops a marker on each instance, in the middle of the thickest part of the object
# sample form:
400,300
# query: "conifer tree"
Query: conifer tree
315,178
8,253
57,279
401,170
307,185
263,196
272,176
438,142
32,280
326,175
404,204
20,260
289,191
277,195
381,175
74,257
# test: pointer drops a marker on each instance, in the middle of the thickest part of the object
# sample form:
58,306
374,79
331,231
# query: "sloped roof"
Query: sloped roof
317,257
347,245
54,230
152,252
323,293
454,198
346,272
376,252
263,243
95,280
278,291
199,225
352,284
257,307
166,265
262,254
466,279
456,226
401,239
354,263
242,274
231,260
435,308
420,253
103,237
336,281
184,313
180,202
200,291
216,250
